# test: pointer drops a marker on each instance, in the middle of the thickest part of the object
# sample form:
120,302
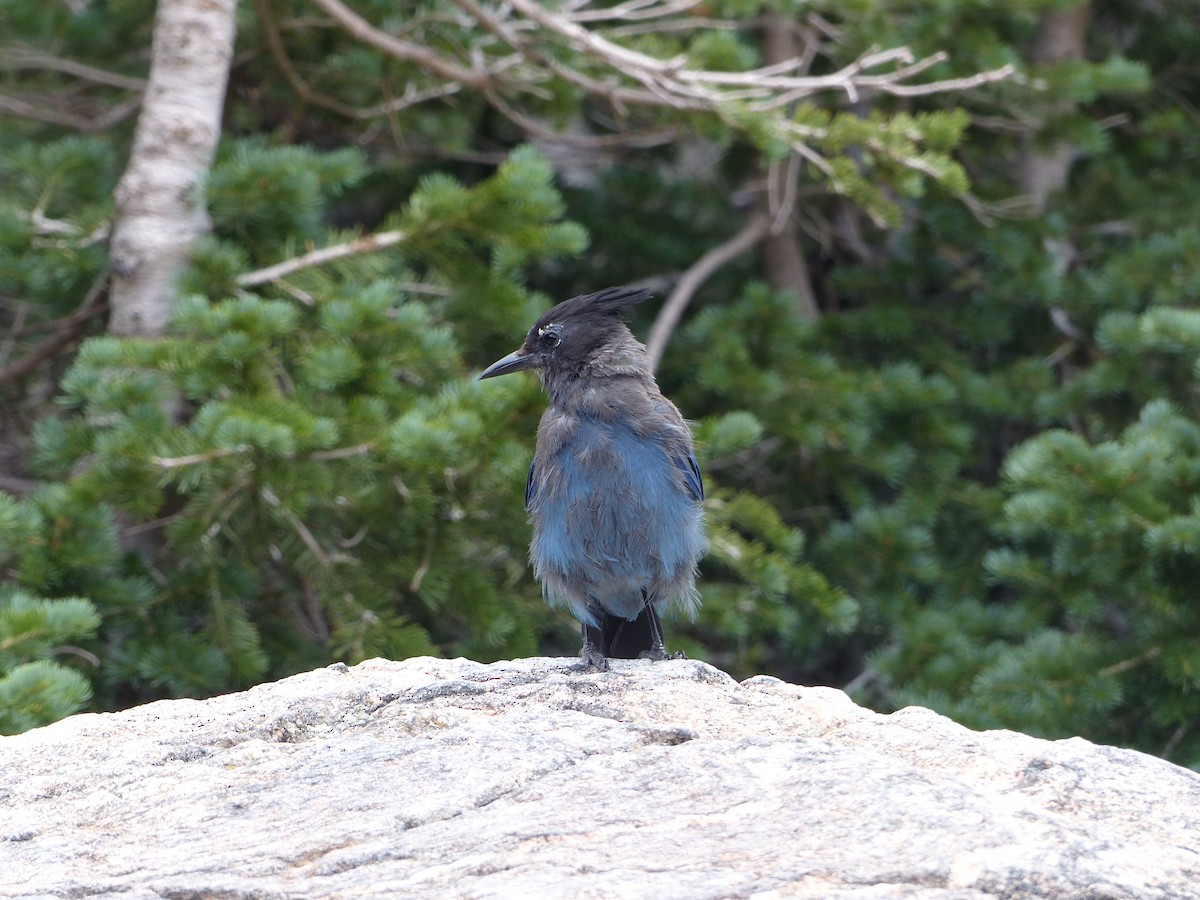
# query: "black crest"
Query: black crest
566,339
606,304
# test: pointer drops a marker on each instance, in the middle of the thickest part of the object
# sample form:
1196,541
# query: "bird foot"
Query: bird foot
593,660
660,654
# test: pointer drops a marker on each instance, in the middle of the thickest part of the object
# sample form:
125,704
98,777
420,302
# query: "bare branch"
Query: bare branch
84,312
634,10
319,257
563,138
266,18
693,279
11,338
783,257
946,85
410,97
674,25
362,449
682,83
48,112
633,78
26,58
196,459
17,486
68,330
404,50
614,92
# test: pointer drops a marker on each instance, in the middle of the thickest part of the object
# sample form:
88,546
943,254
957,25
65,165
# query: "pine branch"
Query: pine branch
306,537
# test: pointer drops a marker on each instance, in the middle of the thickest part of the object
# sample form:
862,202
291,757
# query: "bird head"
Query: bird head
577,336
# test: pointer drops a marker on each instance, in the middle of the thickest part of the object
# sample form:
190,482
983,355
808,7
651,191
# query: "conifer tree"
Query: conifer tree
940,346
35,688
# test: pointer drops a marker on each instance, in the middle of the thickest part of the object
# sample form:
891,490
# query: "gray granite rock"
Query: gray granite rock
448,778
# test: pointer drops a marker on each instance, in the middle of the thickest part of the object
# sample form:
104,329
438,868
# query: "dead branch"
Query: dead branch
48,112
17,486
196,459
417,54
368,244
764,82
67,331
27,58
693,279
634,11
530,30
304,91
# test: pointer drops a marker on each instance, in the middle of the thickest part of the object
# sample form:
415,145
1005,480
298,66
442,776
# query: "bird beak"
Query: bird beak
514,362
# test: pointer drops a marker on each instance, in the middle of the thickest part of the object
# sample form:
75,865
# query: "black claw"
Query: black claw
592,651
660,654
593,661
654,654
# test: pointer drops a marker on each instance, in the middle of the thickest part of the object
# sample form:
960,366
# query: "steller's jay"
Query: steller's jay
614,489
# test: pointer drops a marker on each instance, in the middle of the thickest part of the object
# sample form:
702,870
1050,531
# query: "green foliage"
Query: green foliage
326,492
1101,551
257,191
61,189
969,484
34,689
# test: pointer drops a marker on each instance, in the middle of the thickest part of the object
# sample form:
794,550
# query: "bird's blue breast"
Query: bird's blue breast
615,519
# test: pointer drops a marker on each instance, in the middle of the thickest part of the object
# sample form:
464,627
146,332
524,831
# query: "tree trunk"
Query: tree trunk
783,259
1043,170
159,200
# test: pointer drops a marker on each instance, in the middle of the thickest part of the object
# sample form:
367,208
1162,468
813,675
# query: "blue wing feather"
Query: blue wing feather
691,475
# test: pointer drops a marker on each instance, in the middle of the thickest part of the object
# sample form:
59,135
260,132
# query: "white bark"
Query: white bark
160,202
1061,37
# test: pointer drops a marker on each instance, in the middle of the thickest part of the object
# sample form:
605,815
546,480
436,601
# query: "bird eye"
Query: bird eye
551,338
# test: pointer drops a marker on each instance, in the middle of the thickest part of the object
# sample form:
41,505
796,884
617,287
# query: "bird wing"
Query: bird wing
530,486
691,475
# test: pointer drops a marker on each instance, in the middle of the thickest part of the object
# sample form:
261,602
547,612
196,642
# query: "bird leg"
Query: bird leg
658,649
592,652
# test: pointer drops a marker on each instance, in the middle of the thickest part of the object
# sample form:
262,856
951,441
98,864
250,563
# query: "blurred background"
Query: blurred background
928,270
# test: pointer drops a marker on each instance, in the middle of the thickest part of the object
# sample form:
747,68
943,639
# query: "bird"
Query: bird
614,490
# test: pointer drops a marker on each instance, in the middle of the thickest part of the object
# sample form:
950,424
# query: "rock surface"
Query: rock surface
448,778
